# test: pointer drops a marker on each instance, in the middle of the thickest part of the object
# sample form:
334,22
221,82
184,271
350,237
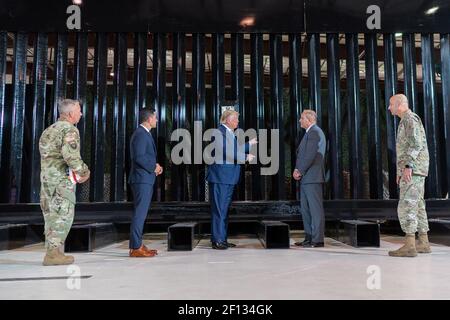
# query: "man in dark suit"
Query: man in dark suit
223,175
143,172
309,169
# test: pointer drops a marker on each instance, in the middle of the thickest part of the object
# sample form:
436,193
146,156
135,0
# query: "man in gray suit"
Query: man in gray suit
309,170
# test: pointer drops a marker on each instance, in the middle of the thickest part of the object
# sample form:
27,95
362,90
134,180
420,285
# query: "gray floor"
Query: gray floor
246,272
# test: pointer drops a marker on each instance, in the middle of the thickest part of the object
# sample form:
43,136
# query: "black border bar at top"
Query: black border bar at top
218,16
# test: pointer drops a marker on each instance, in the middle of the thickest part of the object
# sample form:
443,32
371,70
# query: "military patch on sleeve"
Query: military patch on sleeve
71,139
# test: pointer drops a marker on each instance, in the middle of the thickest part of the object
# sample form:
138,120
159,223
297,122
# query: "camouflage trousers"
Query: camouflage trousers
411,205
58,208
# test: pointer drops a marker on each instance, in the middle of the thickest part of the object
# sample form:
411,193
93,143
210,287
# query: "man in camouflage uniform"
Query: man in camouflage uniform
59,147
412,169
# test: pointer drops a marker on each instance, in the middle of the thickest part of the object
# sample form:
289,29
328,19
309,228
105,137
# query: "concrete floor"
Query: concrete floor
249,271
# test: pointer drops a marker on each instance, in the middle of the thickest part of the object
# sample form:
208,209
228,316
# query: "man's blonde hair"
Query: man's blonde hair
226,114
310,115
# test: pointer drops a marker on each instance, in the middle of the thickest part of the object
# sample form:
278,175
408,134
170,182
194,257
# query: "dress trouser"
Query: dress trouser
220,196
312,211
142,193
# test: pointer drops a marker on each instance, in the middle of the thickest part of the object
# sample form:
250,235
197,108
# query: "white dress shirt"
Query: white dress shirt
145,128
228,129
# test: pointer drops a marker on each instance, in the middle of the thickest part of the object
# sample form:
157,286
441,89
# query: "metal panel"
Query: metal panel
296,103
237,92
140,75
60,73
276,84
272,16
373,113
159,87
430,106
334,115
5,119
97,166
354,117
218,75
18,114
39,80
79,93
394,15
139,93
80,80
168,212
390,88
409,67
179,172
257,110
198,109
445,61
119,119
315,100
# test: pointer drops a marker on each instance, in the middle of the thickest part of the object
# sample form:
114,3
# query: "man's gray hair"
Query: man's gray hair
66,105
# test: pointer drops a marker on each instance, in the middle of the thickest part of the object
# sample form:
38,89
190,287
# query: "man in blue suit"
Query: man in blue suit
223,175
143,172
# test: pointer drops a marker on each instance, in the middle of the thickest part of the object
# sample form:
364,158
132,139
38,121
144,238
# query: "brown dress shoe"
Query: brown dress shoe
141,252
154,251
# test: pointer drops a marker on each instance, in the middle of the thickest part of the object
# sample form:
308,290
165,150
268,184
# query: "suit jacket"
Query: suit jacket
225,169
143,157
310,156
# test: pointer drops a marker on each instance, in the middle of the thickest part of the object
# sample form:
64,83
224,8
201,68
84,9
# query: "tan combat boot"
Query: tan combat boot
55,258
423,246
408,250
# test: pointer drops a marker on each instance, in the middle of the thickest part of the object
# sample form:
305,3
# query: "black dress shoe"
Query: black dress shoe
219,246
229,244
316,245
304,243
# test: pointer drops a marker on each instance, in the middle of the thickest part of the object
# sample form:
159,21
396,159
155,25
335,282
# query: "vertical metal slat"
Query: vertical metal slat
178,180
430,116
354,116
315,99
390,88
79,93
18,114
119,118
373,113
445,61
99,120
334,115
276,70
410,73
257,110
218,74
198,109
237,92
296,103
60,72
5,120
39,110
159,87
